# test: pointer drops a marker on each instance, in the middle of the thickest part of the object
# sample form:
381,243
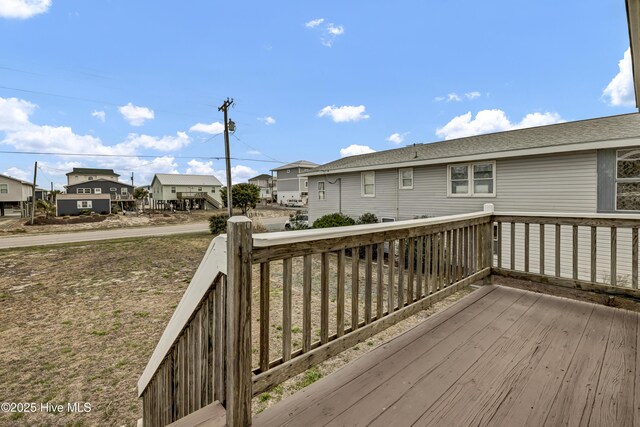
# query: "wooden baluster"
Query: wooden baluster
411,270
594,252
419,267
467,247
287,279
614,255
575,252
499,245
355,274
368,283
340,294
324,299
460,256
447,258
391,272
513,246
380,289
634,257
541,248
428,263
264,316
401,267
440,276
557,254
526,247
306,303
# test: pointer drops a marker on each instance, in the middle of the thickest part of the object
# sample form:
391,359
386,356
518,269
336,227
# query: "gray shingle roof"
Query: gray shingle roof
298,164
183,179
599,129
92,171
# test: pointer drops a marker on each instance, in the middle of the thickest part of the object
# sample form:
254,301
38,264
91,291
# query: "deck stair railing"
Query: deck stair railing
315,293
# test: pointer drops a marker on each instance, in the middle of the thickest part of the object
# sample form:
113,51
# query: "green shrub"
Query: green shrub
333,220
84,212
218,224
368,218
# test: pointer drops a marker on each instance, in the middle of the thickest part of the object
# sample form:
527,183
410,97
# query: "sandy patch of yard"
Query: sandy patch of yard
80,321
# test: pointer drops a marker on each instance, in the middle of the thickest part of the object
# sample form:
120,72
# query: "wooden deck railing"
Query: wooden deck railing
594,252
319,292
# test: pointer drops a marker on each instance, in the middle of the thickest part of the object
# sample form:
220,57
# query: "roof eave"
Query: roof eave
633,21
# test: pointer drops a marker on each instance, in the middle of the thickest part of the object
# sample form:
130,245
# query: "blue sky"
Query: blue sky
140,81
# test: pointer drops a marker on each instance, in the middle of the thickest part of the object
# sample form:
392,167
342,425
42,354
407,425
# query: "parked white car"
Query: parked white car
297,222
294,203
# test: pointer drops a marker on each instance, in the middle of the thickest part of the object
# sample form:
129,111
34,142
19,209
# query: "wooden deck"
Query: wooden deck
500,356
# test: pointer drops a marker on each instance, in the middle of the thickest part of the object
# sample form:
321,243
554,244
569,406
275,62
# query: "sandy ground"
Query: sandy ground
10,226
80,321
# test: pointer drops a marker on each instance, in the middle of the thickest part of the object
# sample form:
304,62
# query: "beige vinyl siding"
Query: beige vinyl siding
551,183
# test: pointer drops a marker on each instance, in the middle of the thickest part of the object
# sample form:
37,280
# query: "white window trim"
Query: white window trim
362,174
470,192
88,202
97,190
323,191
400,180
617,180
173,189
4,188
123,191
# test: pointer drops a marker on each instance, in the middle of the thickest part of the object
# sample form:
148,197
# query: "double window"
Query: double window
321,193
84,191
628,180
368,186
85,204
472,179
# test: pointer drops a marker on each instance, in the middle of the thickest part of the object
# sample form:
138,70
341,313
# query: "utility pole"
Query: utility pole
33,192
224,108
132,179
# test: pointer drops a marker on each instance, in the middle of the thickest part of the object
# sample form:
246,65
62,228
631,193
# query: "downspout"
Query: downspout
339,195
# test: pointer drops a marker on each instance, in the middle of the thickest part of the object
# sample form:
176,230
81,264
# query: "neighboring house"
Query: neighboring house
291,184
186,191
146,201
78,175
267,185
588,166
75,204
115,191
14,195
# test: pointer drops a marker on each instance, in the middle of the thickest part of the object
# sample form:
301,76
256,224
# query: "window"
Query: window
321,193
368,184
199,188
84,191
97,190
113,189
84,204
405,178
288,170
472,180
213,189
306,184
628,180
124,191
4,188
173,189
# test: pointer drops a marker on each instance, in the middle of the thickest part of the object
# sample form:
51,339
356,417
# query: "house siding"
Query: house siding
550,183
70,206
104,186
16,191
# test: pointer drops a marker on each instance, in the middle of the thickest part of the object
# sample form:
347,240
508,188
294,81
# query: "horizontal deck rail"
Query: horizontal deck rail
316,293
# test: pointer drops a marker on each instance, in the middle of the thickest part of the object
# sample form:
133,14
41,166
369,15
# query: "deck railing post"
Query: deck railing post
238,369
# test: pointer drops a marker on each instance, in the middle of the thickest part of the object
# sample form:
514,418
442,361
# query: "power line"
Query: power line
44,153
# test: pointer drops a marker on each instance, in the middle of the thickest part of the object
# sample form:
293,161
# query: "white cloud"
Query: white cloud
22,174
314,23
331,32
240,173
254,152
472,95
23,9
489,121
165,143
397,138
453,97
439,98
214,128
355,149
100,115
346,113
196,167
135,115
14,113
267,120
619,91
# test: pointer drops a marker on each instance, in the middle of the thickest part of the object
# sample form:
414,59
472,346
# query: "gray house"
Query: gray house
291,183
78,175
587,166
75,204
117,193
267,185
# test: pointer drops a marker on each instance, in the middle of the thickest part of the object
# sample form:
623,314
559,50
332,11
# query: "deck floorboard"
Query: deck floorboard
500,356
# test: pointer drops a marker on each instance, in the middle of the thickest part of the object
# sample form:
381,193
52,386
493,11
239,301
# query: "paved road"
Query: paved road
272,224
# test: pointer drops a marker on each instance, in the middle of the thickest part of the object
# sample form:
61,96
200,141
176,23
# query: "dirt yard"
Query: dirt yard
12,226
80,321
